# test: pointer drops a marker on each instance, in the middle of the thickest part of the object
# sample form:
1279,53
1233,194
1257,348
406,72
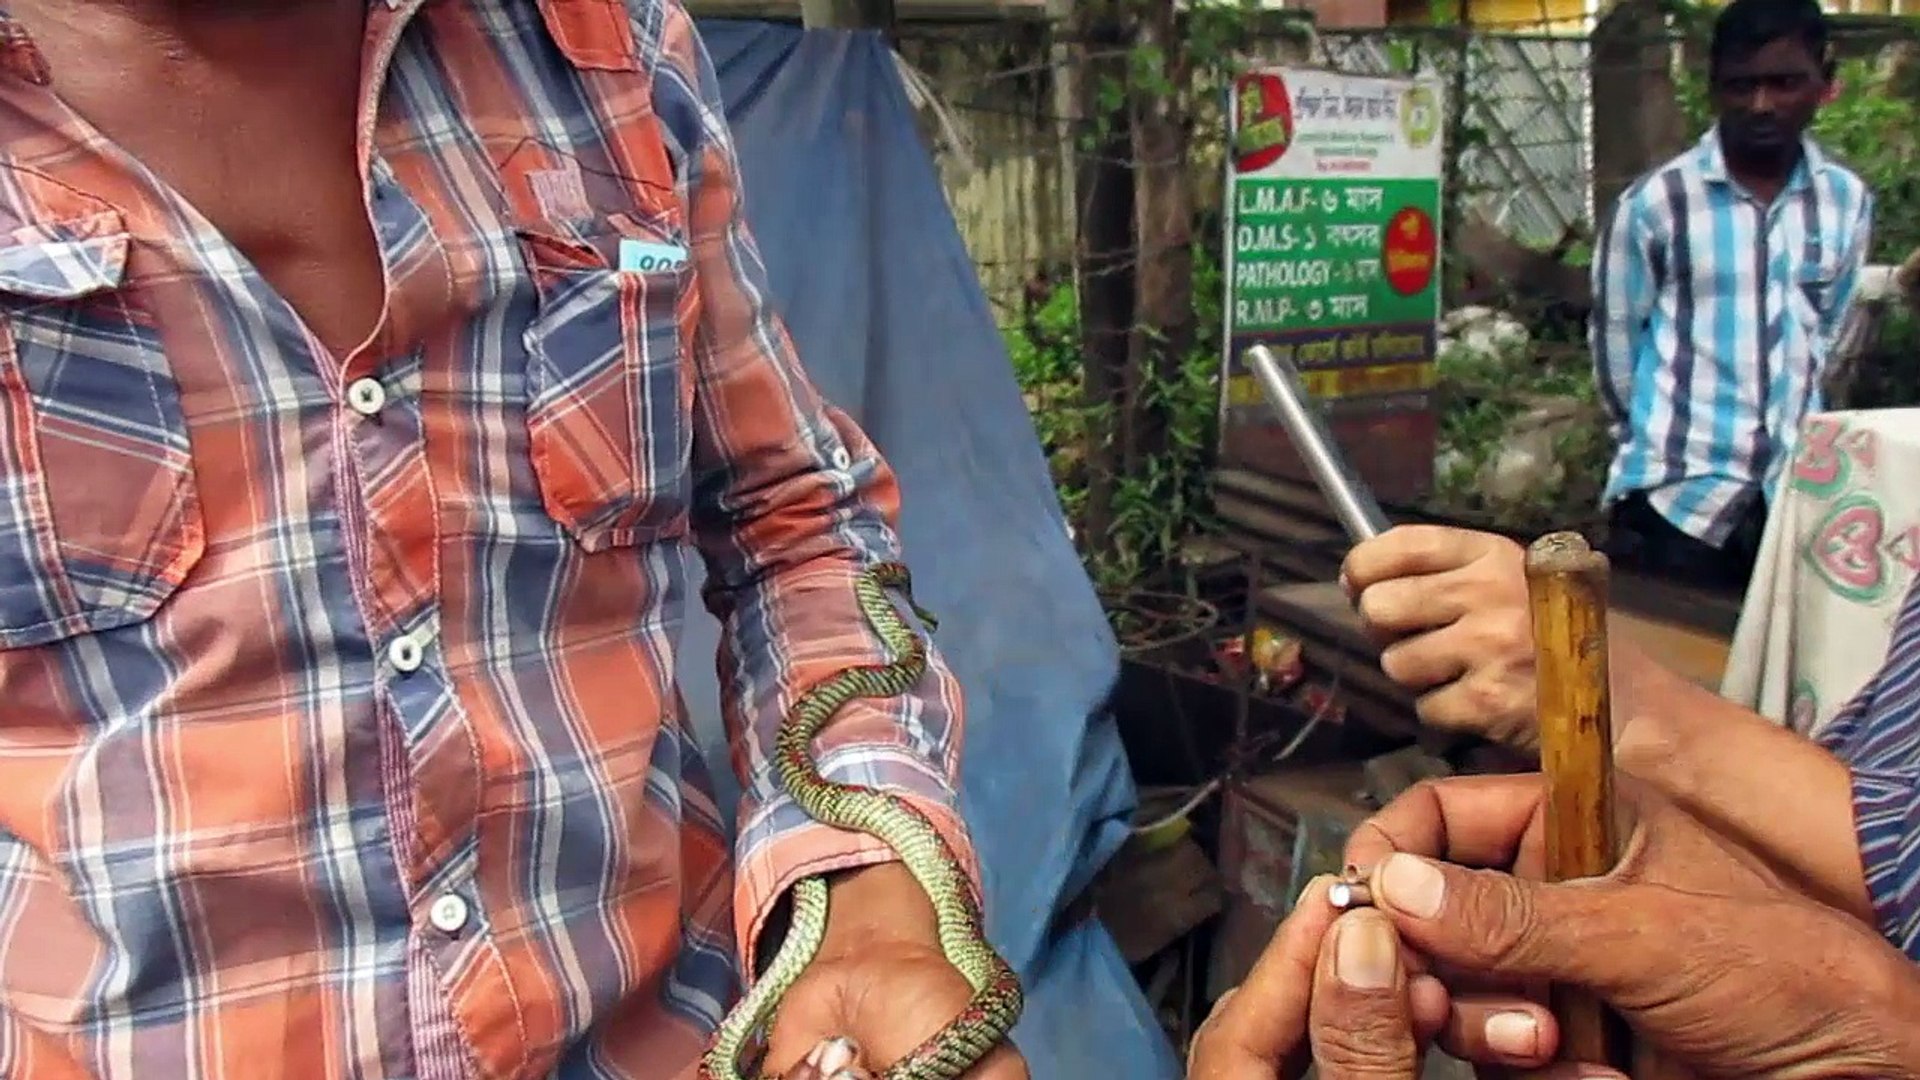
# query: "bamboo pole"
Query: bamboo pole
1567,597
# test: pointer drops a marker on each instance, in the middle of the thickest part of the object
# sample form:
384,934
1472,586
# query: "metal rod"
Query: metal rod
1346,895
1353,503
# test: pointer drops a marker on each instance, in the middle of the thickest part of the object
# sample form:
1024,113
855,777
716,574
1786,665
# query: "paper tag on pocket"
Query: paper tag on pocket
644,257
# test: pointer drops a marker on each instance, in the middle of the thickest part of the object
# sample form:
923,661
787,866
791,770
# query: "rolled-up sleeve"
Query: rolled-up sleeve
792,504
1886,809
1877,736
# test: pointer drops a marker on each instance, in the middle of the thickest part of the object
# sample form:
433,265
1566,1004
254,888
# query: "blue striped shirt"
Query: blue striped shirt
1878,735
1713,317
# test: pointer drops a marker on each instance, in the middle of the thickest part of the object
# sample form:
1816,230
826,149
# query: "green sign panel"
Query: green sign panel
1333,247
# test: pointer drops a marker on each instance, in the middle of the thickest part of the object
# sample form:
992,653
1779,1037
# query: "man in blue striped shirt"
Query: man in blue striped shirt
1719,289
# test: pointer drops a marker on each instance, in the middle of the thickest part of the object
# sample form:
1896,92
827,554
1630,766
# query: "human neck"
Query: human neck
1763,173
156,39
184,27
180,12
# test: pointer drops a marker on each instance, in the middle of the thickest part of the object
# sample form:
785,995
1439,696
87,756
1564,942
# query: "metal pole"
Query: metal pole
1353,503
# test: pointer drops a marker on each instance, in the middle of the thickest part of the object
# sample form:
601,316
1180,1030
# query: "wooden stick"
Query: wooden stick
1567,595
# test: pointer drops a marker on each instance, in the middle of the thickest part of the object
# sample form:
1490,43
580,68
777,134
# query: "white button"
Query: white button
448,913
405,654
367,396
841,459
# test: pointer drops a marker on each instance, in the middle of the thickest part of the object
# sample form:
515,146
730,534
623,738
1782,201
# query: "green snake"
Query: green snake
997,996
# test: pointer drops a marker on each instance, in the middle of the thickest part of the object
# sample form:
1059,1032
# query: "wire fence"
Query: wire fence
1524,132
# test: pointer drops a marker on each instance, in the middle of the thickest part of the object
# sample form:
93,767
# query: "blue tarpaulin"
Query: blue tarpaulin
884,306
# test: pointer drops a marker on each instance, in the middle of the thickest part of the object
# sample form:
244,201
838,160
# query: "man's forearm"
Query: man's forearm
1772,789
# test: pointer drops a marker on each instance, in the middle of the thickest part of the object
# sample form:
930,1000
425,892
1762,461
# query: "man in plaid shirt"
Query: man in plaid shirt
367,369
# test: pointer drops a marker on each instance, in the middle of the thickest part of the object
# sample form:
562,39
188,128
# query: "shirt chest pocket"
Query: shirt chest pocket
99,515
1815,286
609,396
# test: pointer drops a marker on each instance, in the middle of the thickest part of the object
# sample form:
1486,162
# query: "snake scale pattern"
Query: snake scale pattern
997,995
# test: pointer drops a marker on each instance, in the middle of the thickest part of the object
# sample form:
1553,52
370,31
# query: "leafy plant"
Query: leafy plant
1164,501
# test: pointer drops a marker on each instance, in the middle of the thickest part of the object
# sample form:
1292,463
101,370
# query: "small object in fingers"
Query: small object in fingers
1350,891
1347,895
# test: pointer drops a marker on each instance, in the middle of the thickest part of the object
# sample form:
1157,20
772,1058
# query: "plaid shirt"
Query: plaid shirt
340,737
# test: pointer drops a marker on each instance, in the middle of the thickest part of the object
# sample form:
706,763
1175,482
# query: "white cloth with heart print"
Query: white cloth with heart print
1841,546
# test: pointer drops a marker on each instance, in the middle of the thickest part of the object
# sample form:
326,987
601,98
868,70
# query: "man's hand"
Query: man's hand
1723,985
1498,822
1449,607
1334,990
1714,960
878,987
1329,988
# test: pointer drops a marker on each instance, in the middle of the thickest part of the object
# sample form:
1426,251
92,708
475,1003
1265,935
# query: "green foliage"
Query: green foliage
1163,499
1539,399
1047,362
1875,132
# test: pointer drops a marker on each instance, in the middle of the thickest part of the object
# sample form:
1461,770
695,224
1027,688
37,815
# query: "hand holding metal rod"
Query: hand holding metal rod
1349,496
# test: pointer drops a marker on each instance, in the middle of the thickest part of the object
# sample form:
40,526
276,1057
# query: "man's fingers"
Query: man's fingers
1429,1002
1473,820
1500,1031
1434,658
1586,933
1361,1023
1258,1025
1406,550
1409,605
1491,702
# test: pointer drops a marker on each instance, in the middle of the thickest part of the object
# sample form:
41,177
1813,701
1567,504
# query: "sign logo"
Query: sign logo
1419,115
1410,249
1262,121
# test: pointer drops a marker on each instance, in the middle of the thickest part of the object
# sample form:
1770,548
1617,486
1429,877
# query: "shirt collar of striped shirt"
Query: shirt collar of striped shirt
1711,161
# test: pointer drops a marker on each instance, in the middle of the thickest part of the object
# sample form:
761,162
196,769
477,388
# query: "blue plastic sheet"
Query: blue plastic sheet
889,319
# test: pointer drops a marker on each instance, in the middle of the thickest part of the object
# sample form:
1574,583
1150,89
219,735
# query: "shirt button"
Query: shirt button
841,459
367,397
405,654
448,913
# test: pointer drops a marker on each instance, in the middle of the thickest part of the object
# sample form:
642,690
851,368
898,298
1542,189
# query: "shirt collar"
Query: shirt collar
1711,161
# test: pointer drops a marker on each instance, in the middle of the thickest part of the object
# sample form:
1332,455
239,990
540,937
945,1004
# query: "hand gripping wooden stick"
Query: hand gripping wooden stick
1567,595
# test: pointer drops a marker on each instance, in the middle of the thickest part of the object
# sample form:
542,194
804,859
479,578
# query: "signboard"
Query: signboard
1333,259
